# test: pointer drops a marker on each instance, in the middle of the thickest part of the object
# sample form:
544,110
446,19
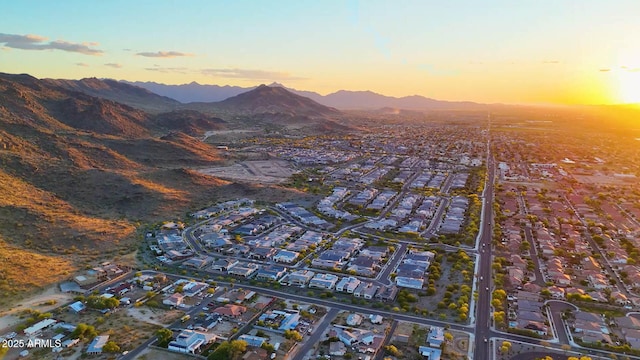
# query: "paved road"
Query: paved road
387,339
332,304
316,336
533,249
533,252
483,304
383,277
556,308
436,219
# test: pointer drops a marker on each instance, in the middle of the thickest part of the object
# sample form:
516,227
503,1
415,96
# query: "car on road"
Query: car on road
11,335
487,288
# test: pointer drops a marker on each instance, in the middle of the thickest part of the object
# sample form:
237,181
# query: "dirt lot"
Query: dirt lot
224,136
224,329
452,282
267,171
457,349
49,299
155,316
126,330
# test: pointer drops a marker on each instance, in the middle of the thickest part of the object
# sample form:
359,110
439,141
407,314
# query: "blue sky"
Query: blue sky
495,51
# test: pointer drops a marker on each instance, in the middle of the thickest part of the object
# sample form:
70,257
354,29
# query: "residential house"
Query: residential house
286,256
77,307
354,319
240,249
598,281
263,253
224,264
331,259
376,319
347,337
619,298
387,293
429,353
271,273
562,280
193,288
290,321
323,281
198,262
628,322
300,277
435,337
363,265
121,289
255,341
537,327
96,345
366,290
230,310
348,284
36,328
632,336
190,342
556,292
243,269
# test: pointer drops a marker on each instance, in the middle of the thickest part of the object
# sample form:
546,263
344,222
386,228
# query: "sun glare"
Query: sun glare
627,76
630,86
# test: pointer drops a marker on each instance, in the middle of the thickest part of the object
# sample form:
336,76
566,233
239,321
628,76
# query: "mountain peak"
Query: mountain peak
267,99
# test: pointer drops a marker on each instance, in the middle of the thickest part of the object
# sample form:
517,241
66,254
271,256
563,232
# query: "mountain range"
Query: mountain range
80,172
343,99
267,100
264,106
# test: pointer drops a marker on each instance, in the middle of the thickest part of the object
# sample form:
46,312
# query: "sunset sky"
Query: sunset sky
529,51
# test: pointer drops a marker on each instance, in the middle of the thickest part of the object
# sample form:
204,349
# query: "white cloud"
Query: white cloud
37,42
163,54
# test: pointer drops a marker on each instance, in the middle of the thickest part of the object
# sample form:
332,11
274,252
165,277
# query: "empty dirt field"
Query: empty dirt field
258,171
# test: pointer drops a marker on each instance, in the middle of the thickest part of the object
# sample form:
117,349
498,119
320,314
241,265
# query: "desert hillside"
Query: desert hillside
80,176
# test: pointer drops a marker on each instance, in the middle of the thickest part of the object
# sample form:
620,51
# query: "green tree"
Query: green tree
229,350
293,335
84,331
392,350
507,345
111,347
164,336
500,294
270,348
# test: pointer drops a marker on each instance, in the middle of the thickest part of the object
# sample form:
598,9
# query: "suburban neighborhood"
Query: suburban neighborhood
459,246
